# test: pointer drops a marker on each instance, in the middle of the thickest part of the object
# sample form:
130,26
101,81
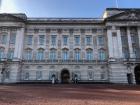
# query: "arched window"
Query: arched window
1,53
52,54
10,53
89,54
77,54
40,54
65,55
28,54
101,54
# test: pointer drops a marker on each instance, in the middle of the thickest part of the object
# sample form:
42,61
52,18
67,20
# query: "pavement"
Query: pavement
69,94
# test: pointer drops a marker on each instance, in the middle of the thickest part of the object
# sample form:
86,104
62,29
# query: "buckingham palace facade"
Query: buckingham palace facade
104,50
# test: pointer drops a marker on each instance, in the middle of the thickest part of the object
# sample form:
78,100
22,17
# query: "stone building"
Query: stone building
105,49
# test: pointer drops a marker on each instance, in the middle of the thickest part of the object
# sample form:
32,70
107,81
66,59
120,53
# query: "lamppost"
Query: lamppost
4,70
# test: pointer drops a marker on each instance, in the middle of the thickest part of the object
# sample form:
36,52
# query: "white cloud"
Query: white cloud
8,6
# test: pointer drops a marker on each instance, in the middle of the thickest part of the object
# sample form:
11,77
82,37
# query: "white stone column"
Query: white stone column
19,44
139,35
110,47
8,44
119,43
129,43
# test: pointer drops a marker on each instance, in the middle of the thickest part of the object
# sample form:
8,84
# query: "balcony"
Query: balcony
124,60
66,61
132,60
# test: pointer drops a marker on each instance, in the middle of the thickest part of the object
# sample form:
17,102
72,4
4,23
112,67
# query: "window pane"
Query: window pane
88,39
10,54
41,39
89,55
52,54
100,40
77,39
65,40
125,53
29,39
101,55
77,55
7,74
38,75
26,76
65,55
53,40
1,53
4,39
12,38
40,55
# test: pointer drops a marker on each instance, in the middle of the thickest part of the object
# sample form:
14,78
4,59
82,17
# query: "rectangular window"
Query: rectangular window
10,54
65,55
133,38
125,53
88,39
53,40
7,74
77,39
38,75
4,39
53,55
90,75
28,55
26,77
65,40
124,40
13,39
2,53
89,55
101,40
40,55
77,55
102,55
41,39
29,39
102,75
134,51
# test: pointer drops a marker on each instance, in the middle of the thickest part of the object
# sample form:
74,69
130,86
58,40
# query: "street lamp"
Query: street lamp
4,70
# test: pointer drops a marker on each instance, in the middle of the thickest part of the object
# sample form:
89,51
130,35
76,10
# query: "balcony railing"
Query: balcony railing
135,60
61,61
66,61
132,60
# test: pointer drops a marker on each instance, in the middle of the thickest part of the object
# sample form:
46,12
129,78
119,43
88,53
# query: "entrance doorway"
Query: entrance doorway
137,74
65,76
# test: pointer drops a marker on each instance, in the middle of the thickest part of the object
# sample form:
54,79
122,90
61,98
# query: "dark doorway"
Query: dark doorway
130,78
137,74
65,76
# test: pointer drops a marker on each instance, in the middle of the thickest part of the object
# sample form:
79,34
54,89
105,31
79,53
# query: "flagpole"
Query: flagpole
117,6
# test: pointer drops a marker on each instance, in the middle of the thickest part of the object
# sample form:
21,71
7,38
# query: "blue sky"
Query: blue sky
64,8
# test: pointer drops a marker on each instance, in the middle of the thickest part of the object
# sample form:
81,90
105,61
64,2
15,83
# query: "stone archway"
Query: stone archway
65,76
137,74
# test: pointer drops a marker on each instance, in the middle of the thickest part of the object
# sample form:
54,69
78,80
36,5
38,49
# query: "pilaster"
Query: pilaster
129,43
19,44
139,35
110,47
119,43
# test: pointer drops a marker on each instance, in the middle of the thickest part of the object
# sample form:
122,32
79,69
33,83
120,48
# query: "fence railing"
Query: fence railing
65,61
134,60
